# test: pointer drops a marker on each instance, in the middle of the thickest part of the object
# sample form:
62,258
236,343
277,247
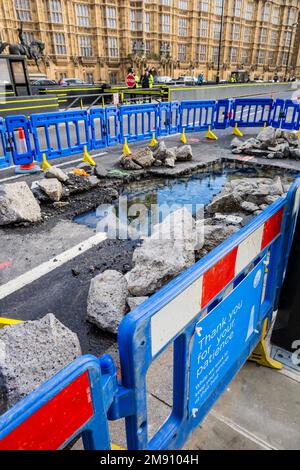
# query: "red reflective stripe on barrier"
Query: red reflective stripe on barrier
56,421
217,277
272,228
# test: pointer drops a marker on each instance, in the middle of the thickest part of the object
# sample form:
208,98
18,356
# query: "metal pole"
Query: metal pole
289,53
220,43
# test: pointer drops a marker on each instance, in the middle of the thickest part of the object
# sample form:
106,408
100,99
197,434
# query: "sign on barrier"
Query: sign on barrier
278,113
252,112
4,153
22,154
196,116
137,122
52,133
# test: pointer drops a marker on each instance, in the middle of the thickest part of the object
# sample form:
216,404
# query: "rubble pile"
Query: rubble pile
270,143
156,156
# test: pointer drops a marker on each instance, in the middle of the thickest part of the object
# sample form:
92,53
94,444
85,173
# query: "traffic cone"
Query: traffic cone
210,135
236,131
183,137
45,164
126,149
87,158
153,142
22,149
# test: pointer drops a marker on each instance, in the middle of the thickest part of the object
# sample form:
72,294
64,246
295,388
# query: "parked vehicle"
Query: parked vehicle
186,80
163,80
71,81
43,82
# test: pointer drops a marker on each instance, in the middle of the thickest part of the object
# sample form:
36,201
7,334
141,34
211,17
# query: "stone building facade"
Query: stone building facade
98,40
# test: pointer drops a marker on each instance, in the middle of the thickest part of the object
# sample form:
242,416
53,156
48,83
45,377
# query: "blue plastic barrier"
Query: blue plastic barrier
20,155
278,113
52,136
290,120
252,112
168,118
71,404
138,122
186,313
212,322
196,116
98,128
112,125
223,114
4,153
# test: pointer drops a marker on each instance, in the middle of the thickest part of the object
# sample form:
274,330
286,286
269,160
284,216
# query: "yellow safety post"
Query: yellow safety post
87,158
8,321
299,133
126,149
210,135
45,164
183,137
265,125
153,142
81,104
236,131
260,354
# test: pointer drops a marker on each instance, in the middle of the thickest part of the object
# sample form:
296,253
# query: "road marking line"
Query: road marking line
58,165
48,266
265,445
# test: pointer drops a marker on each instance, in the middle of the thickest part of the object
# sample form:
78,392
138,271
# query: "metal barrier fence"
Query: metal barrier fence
212,315
66,133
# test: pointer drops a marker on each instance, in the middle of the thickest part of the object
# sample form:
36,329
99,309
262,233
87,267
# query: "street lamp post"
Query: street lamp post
289,52
220,43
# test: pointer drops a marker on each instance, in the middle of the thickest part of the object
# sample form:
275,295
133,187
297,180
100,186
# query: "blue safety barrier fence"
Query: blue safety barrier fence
212,322
52,133
66,133
22,150
4,152
251,113
196,116
138,122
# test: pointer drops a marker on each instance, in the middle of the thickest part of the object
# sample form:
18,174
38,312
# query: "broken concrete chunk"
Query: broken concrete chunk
128,164
134,302
18,204
32,352
169,162
184,153
225,203
144,158
249,207
107,296
52,188
235,143
57,173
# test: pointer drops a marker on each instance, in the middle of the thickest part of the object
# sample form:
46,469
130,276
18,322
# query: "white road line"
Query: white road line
48,266
10,178
265,445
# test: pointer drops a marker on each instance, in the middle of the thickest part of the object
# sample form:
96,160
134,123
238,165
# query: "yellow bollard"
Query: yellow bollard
183,137
126,149
87,158
260,354
45,164
81,104
153,142
8,321
299,133
236,131
210,135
